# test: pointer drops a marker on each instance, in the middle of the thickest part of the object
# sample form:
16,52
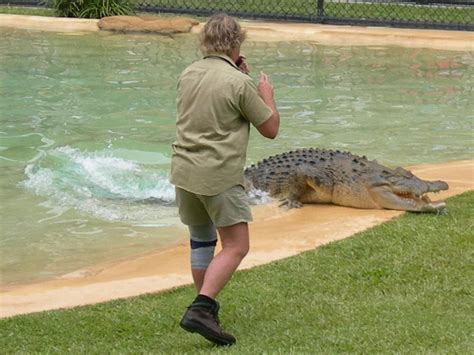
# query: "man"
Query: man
216,102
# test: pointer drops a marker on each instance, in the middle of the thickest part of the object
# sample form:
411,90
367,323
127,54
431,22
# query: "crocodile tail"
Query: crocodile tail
250,175
255,177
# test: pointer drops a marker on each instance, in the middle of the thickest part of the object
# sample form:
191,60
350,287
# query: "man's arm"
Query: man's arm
269,128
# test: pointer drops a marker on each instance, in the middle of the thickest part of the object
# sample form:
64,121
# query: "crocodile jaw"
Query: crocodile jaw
386,197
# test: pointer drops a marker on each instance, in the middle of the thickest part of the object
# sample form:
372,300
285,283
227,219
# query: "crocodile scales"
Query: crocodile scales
314,175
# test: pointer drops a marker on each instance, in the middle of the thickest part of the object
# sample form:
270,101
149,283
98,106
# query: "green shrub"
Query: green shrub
92,8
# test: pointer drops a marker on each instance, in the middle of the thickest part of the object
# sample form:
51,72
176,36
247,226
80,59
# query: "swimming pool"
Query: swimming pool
87,121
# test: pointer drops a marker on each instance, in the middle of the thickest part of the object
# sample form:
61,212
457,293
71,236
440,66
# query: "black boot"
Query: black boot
202,318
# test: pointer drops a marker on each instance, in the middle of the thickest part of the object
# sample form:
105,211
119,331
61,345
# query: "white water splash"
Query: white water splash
258,197
101,185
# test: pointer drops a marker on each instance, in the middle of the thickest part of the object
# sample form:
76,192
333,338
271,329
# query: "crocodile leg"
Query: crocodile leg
296,188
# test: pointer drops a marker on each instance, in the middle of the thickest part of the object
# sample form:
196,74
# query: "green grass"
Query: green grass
25,10
440,14
402,287
401,12
384,11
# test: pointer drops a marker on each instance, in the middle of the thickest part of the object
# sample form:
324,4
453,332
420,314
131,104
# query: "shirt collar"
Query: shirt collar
223,57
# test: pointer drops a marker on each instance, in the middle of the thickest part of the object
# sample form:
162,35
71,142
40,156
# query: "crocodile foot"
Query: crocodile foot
288,203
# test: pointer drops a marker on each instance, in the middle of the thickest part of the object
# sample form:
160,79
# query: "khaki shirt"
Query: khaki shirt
216,103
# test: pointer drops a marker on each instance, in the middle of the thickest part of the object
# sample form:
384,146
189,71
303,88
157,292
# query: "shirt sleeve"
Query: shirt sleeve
252,107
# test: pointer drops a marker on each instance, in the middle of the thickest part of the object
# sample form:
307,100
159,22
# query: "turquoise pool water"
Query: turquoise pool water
87,121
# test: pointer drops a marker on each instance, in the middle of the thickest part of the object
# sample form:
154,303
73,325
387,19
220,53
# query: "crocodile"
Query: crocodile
314,175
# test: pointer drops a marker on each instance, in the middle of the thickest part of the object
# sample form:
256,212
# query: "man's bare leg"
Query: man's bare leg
235,245
202,314
198,277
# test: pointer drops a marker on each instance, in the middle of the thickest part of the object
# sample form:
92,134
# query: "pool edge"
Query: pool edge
44,23
285,31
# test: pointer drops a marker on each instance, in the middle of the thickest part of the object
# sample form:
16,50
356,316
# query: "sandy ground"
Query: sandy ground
286,31
275,234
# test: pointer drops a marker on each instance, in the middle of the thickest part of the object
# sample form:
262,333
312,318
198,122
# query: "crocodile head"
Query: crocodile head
399,189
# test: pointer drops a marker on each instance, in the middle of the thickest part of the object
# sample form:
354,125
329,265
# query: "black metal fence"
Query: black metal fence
443,14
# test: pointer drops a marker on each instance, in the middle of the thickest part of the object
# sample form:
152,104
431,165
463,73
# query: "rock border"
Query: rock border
147,24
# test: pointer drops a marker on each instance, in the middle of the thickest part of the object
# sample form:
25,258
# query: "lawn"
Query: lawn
305,8
341,9
26,10
404,286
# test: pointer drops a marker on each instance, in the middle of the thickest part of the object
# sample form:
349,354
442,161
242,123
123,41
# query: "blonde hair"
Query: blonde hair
221,34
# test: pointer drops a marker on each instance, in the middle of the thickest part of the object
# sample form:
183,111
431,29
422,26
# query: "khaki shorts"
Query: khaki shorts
225,209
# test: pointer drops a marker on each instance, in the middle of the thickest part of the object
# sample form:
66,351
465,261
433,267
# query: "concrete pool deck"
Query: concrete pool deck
286,31
275,234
